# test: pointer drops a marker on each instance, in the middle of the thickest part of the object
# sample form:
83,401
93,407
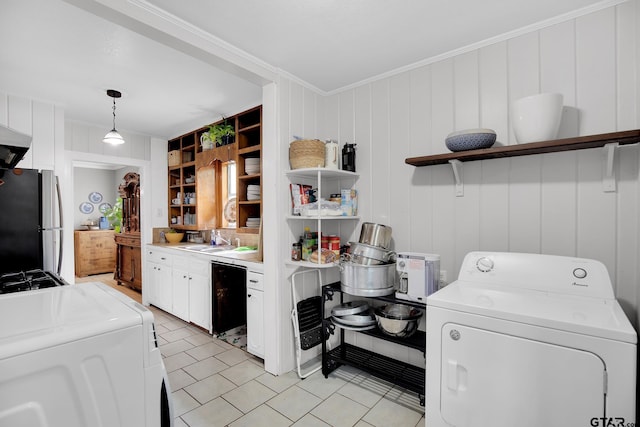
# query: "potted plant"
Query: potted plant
222,133
207,140
114,215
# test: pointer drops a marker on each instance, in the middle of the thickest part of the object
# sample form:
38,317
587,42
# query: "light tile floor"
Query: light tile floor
216,384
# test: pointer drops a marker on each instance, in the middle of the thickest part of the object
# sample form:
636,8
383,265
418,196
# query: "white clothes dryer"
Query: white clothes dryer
529,340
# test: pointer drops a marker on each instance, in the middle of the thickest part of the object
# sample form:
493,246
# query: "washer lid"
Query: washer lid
600,317
38,319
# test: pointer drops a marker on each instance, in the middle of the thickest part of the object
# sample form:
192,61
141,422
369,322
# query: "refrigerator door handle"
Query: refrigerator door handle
60,225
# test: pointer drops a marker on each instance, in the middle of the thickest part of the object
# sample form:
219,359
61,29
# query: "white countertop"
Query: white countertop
248,259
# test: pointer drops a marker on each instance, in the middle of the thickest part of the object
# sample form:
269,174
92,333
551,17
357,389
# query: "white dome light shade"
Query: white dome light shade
113,137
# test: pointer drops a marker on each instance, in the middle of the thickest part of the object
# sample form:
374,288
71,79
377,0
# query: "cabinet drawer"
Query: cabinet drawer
181,262
200,267
128,240
159,257
254,281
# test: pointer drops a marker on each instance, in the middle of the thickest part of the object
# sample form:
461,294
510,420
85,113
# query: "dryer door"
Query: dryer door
492,379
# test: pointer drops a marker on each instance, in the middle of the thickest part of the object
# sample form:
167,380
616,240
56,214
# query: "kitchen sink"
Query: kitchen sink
217,249
193,247
206,248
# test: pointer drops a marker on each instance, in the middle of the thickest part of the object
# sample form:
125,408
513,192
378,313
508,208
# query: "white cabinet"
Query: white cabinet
180,293
255,314
200,293
158,279
180,284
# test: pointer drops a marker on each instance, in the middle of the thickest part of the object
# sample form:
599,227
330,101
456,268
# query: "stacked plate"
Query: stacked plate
354,316
253,222
253,192
252,165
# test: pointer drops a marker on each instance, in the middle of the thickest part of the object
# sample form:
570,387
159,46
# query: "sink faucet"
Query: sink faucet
220,239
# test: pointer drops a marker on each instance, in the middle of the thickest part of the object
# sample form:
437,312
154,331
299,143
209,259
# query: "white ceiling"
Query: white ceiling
181,65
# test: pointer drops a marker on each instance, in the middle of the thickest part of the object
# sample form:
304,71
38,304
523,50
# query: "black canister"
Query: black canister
349,157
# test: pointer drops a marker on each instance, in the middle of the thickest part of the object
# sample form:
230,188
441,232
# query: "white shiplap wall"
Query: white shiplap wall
543,204
550,203
42,121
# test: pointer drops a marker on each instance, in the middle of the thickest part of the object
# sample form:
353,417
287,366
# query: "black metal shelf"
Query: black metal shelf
403,374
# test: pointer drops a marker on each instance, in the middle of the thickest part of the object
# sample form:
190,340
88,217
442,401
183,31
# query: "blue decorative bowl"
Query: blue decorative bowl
470,139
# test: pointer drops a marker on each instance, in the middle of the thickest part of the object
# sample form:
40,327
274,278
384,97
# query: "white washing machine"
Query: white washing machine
529,340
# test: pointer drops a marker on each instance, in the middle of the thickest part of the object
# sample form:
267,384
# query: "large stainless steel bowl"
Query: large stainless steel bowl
367,280
375,235
370,255
398,320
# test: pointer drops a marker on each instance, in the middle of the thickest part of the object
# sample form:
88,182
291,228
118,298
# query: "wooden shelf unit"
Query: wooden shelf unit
567,144
205,166
184,148
249,140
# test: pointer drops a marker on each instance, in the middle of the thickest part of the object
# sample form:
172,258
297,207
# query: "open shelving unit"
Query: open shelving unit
609,141
187,158
320,177
184,149
554,146
397,372
249,140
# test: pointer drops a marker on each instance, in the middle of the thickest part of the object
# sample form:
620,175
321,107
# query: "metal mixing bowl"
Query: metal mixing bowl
398,320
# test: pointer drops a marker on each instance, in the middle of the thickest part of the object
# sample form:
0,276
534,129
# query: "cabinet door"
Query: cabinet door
126,261
149,280
200,301
160,282
180,294
255,322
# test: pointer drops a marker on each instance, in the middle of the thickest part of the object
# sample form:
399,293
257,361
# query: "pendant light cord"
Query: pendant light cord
114,113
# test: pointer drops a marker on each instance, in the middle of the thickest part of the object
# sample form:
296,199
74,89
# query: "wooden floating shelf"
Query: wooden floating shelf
554,146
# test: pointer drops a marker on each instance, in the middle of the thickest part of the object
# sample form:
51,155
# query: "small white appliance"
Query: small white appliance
418,275
332,155
77,356
529,340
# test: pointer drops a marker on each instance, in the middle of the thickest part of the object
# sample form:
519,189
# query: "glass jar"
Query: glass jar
296,251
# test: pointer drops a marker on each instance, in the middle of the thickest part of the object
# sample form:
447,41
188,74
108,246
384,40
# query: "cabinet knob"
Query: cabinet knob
248,295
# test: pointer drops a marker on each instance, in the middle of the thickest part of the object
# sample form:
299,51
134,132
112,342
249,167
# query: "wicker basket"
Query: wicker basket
306,153
174,158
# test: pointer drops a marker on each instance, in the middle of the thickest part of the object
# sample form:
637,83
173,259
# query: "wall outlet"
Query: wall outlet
443,279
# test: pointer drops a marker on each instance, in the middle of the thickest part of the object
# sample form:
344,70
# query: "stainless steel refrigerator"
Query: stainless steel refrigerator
30,221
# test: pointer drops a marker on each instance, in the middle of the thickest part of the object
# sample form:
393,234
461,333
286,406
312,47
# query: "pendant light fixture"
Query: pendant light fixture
113,137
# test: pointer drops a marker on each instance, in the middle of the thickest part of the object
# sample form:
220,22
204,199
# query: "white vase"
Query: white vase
537,117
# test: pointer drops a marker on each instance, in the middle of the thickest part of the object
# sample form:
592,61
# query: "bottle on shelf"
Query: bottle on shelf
308,244
349,157
296,251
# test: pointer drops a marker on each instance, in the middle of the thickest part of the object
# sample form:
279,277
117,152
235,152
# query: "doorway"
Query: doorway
96,193
74,163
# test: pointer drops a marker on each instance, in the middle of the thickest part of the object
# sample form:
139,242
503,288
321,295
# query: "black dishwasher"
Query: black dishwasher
229,296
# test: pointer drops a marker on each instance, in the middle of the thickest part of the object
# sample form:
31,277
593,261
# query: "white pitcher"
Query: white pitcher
331,155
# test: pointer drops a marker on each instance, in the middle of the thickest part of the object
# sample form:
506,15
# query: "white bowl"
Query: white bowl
537,117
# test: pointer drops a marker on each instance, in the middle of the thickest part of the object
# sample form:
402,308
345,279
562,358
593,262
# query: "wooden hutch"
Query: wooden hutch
129,255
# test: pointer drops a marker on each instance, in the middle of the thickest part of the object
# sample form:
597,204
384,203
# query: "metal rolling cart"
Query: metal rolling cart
403,374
